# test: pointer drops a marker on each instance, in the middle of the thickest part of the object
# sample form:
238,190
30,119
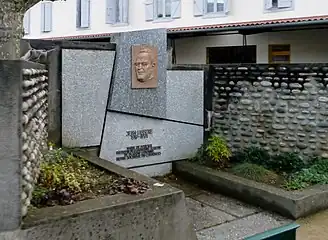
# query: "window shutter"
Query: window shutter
111,11
78,13
227,6
42,16
285,3
268,4
176,8
149,10
125,18
26,22
199,7
85,13
46,17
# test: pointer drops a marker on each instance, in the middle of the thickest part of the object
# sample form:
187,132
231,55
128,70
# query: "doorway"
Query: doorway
231,54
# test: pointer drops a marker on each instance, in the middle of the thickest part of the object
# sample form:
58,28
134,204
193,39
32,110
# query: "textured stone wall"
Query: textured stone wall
34,131
280,108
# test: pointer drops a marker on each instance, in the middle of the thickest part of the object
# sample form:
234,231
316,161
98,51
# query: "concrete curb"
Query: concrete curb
160,212
290,204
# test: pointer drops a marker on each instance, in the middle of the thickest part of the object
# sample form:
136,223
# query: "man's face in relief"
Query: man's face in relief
144,67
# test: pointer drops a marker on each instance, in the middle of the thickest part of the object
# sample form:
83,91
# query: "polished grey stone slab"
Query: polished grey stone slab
185,96
86,76
226,204
175,140
204,216
149,102
244,227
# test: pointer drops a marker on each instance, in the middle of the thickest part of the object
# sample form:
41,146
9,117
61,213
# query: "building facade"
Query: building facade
202,31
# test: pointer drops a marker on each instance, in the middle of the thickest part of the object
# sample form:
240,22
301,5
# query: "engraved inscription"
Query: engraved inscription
142,134
140,151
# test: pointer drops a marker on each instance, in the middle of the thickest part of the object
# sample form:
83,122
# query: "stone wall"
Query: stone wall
34,131
280,108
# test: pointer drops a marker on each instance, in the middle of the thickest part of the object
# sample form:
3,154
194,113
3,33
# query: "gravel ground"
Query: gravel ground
314,227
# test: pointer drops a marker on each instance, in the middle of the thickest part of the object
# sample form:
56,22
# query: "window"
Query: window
278,4
211,7
279,54
46,16
214,6
162,9
117,11
27,22
83,13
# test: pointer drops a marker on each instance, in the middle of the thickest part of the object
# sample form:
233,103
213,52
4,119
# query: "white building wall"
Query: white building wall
64,16
307,46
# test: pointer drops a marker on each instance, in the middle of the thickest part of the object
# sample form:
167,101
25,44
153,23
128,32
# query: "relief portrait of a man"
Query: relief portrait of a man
144,67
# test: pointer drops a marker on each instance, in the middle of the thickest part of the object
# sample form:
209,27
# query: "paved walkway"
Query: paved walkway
216,217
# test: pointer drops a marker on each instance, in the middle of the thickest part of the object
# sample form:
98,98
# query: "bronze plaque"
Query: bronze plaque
144,67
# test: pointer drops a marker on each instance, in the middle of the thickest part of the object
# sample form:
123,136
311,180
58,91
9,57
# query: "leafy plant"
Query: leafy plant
61,171
254,155
218,150
256,173
316,174
287,162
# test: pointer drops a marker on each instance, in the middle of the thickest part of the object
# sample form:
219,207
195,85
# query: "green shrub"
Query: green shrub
62,171
315,174
256,173
254,155
201,155
287,162
218,151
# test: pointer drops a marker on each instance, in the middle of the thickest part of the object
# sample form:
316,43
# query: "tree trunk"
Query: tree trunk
11,30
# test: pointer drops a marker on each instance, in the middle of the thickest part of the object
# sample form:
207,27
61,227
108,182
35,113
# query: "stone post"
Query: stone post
10,145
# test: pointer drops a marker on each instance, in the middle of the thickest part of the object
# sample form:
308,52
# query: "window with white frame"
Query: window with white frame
211,7
117,11
162,9
83,13
278,4
214,6
46,16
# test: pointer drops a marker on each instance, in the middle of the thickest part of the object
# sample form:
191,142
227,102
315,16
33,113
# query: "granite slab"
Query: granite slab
133,141
86,77
185,96
148,102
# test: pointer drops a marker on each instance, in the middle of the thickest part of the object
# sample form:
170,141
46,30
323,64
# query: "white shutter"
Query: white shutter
125,15
78,13
285,3
26,22
176,8
227,6
111,11
268,4
46,17
149,10
85,13
199,7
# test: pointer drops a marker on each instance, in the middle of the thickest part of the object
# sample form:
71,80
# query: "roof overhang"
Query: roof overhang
245,28
251,27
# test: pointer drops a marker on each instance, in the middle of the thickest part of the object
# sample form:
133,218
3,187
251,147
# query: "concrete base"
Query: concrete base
155,170
294,204
159,214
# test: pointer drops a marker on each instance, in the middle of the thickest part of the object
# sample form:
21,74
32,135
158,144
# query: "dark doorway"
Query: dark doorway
233,54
